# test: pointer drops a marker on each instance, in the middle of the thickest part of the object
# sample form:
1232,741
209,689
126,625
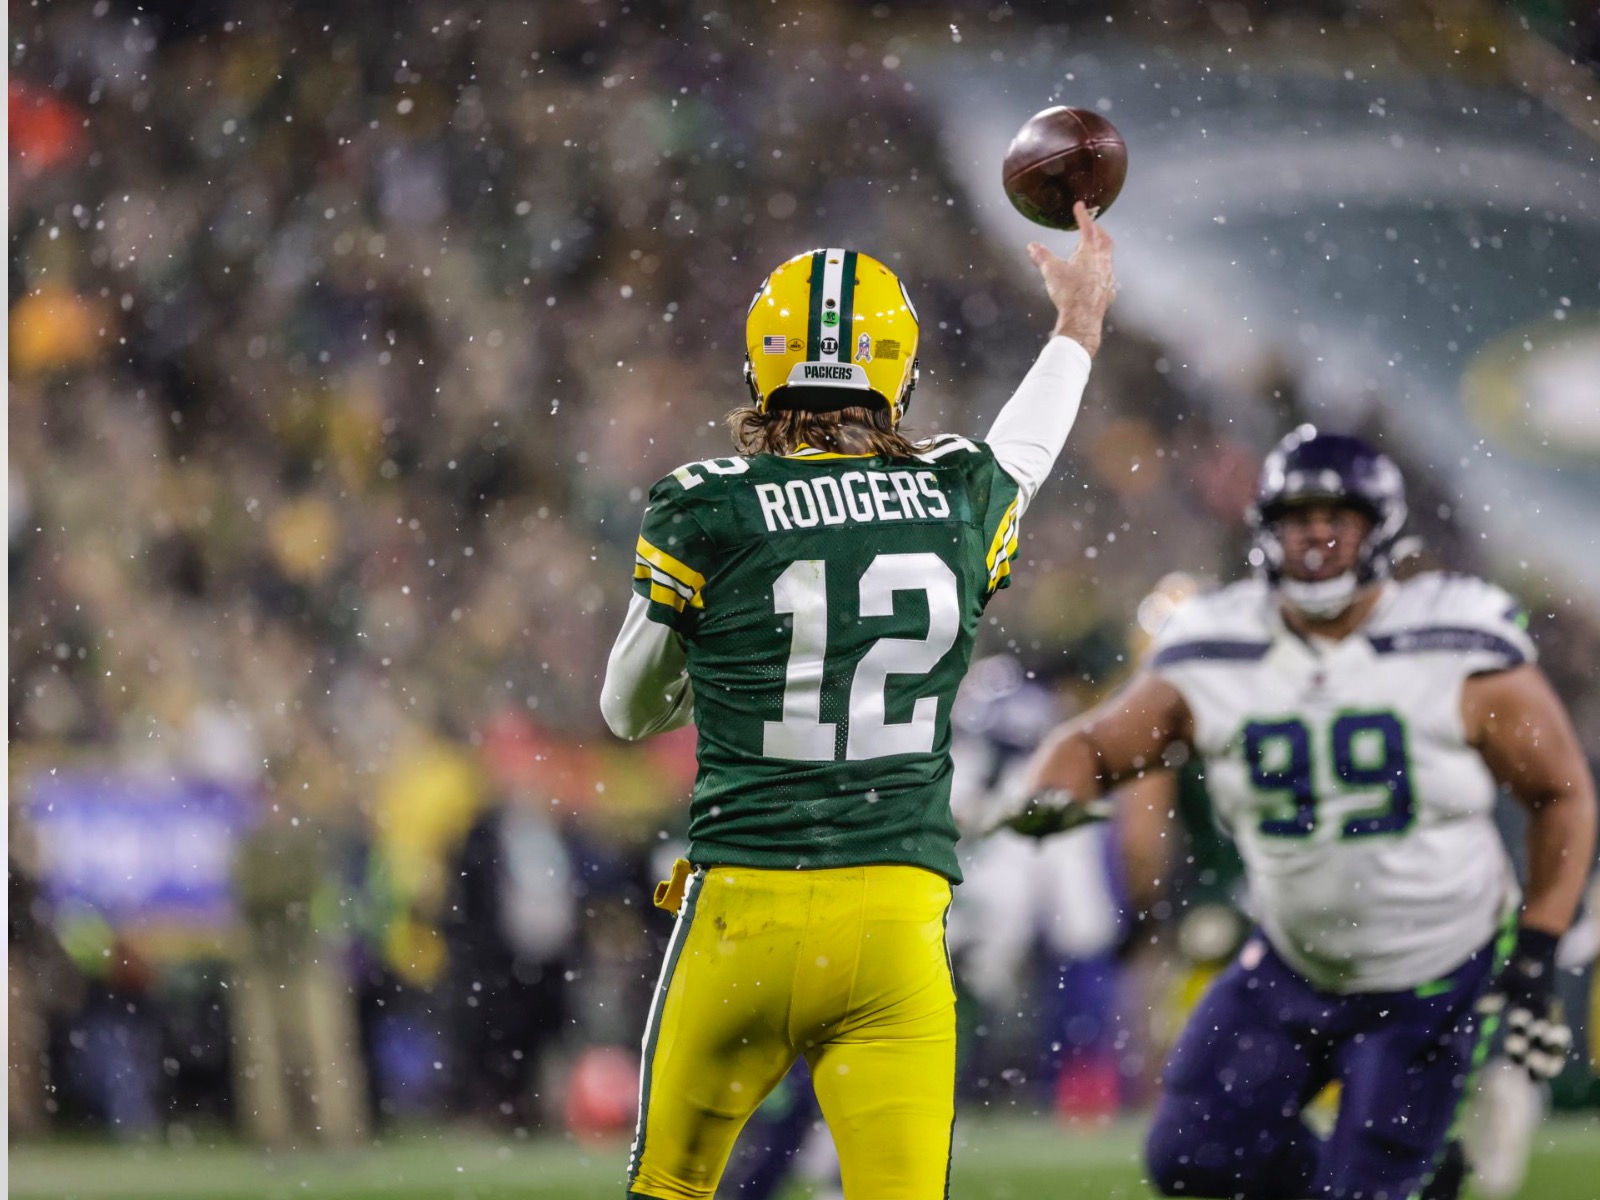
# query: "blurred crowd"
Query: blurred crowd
345,342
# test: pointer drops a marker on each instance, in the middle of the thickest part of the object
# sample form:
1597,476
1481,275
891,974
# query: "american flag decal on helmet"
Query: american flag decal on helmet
773,343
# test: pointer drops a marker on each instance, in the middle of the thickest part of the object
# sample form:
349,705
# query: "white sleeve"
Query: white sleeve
646,689
1031,429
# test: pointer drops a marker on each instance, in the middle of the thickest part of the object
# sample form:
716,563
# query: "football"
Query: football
1060,156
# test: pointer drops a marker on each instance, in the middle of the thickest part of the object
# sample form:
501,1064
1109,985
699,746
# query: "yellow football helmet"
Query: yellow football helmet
831,329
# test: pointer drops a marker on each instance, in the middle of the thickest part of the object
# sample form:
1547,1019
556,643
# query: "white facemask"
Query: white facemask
1323,599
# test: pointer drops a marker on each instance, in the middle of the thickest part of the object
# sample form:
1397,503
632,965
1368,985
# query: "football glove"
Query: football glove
1052,811
1536,1038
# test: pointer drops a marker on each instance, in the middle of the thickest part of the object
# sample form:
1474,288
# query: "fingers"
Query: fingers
1094,243
1091,232
1092,238
1044,817
1535,1043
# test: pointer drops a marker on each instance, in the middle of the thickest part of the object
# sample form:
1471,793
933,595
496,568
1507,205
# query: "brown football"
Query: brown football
1061,155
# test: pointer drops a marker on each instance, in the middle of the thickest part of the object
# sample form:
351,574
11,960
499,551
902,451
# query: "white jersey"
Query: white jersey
1342,770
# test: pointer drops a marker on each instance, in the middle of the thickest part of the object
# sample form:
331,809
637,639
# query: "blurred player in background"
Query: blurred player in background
812,605
1183,870
1035,927
1354,731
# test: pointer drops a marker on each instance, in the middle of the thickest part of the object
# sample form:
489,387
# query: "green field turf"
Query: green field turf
995,1160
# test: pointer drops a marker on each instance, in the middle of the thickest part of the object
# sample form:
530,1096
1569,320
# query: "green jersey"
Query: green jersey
828,604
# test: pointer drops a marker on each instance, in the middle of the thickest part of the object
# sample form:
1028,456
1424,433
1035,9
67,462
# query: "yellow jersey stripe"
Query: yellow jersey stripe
643,570
1001,570
665,595
660,583
1001,535
668,565
1005,547
1003,567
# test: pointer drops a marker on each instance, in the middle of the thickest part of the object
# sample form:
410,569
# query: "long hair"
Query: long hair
855,430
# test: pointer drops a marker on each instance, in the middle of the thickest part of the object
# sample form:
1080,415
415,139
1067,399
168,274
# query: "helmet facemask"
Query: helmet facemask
1311,468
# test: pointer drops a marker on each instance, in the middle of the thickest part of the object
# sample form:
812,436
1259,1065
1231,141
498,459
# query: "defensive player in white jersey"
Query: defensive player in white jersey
1355,731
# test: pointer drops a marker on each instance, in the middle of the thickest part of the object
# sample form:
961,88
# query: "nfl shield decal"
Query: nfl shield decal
864,348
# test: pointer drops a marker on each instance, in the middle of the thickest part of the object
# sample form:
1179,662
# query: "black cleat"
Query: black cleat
1449,1176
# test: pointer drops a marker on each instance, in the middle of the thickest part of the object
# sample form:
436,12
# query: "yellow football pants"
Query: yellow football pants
846,966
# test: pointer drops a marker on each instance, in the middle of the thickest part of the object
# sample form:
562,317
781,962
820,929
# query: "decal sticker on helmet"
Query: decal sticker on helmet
864,348
830,345
772,343
887,348
796,345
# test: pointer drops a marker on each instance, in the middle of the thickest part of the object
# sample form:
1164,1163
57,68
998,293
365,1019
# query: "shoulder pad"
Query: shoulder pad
945,444
1229,624
1444,611
693,475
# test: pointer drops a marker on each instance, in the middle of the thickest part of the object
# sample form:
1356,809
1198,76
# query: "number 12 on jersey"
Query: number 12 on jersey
802,592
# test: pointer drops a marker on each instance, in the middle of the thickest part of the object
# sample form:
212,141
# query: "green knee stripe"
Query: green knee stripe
652,1030
1504,943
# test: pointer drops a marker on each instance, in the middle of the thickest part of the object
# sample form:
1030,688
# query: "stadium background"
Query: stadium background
345,340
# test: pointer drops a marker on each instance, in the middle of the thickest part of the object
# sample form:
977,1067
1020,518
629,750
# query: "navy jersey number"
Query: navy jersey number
1279,754
1368,751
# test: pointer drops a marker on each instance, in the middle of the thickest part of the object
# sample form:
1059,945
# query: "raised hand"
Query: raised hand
1081,287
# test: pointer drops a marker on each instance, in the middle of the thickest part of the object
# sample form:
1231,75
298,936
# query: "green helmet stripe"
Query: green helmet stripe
847,307
814,325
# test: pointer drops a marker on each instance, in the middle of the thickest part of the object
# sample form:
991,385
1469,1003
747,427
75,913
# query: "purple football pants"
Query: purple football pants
1263,1042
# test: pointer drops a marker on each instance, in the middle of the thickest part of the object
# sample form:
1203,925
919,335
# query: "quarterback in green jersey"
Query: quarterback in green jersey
811,604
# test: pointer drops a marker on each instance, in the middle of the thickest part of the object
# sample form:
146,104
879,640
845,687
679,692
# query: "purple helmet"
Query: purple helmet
1309,467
